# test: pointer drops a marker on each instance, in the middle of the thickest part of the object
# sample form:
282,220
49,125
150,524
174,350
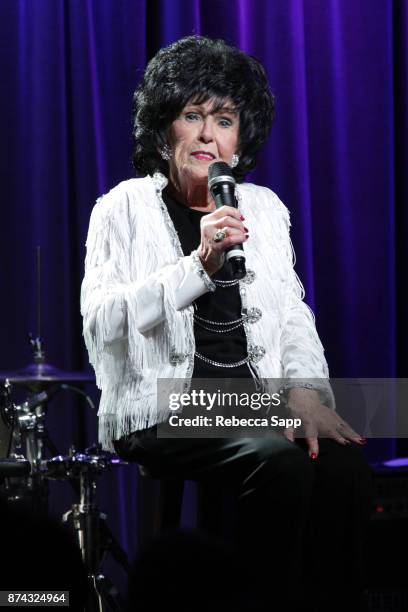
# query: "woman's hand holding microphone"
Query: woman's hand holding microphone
219,230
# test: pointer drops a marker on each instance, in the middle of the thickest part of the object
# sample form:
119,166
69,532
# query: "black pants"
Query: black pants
300,521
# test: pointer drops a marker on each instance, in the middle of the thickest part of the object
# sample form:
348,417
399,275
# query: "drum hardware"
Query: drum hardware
25,429
24,426
30,416
29,479
93,534
16,466
7,415
39,375
27,473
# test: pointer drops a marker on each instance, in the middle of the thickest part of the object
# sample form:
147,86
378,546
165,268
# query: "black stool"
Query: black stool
170,499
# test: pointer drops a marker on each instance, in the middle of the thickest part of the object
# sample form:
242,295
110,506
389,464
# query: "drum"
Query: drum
63,467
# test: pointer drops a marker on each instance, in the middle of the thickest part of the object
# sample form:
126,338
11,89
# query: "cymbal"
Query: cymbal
42,374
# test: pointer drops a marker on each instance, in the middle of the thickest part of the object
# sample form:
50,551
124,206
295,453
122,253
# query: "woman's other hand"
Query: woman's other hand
211,251
318,420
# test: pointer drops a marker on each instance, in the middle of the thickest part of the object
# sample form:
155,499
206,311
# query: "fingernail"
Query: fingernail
362,440
246,237
246,229
313,456
242,217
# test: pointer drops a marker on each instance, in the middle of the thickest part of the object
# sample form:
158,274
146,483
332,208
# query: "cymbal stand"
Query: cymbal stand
94,537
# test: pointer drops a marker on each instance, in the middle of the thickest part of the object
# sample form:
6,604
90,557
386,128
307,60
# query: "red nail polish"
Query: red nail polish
246,229
242,217
313,456
363,440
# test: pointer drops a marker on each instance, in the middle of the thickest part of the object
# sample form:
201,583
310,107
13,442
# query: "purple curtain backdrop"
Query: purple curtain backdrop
337,156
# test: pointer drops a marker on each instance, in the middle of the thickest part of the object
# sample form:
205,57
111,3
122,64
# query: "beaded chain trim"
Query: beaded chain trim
255,354
251,316
225,284
219,364
218,323
198,269
219,331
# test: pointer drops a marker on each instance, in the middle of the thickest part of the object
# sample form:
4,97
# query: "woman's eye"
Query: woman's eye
225,122
191,116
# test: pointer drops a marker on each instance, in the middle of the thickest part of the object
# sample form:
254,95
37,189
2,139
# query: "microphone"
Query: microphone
221,184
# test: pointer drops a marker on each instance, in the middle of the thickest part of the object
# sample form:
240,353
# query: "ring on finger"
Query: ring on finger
219,235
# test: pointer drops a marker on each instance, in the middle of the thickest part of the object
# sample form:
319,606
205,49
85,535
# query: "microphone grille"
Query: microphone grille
219,169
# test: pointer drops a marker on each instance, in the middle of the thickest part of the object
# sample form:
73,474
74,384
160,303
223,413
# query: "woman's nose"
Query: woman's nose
207,134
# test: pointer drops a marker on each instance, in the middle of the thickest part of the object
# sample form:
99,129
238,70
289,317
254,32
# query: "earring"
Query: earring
234,161
165,152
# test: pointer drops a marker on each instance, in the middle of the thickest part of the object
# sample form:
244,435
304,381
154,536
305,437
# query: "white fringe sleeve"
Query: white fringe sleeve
302,352
129,325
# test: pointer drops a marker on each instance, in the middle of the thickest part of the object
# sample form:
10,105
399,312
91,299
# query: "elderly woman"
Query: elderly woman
159,303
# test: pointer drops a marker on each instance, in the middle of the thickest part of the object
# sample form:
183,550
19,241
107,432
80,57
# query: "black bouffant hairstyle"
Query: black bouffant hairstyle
196,68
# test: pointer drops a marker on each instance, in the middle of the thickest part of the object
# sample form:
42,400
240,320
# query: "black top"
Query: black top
224,304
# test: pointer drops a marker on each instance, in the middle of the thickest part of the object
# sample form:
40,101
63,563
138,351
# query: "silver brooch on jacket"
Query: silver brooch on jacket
252,315
256,352
249,278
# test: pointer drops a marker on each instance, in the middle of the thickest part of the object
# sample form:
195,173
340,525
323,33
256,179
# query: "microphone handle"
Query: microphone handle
224,195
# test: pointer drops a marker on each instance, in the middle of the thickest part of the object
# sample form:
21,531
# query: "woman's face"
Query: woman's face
198,137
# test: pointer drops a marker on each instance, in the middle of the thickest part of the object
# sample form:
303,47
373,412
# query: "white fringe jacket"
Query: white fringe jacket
137,295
